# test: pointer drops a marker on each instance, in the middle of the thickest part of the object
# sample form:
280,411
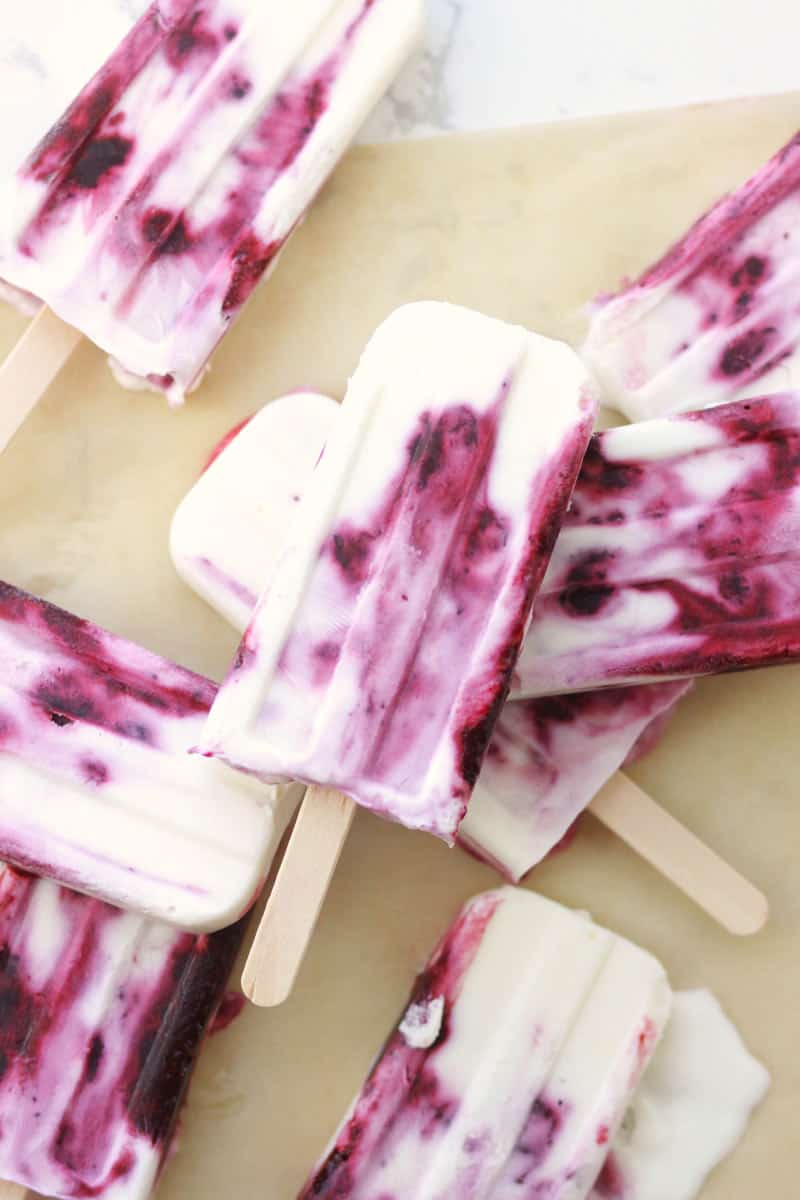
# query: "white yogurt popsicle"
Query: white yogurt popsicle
519,1071
509,1074
97,788
716,319
378,659
679,555
227,533
153,207
547,760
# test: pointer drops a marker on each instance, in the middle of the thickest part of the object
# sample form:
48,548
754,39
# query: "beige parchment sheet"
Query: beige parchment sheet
525,226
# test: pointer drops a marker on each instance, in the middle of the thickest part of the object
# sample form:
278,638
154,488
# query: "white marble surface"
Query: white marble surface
493,63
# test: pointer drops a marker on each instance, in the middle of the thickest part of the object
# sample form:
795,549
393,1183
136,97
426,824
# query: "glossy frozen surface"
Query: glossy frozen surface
379,657
152,209
679,556
547,760
717,317
97,788
522,1044
103,1016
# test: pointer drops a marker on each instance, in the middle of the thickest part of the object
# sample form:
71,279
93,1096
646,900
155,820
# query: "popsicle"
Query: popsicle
715,319
104,1016
97,789
378,658
227,533
679,554
546,761
148,214
511,1070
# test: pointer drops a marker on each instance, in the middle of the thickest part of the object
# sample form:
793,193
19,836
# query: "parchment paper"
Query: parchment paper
525,226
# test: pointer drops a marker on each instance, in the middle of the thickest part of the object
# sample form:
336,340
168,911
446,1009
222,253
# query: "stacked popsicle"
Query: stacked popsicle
678,556
378,658
715,319
546,761
104,1011
100,723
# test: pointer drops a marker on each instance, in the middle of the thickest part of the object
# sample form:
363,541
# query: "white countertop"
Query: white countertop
494,63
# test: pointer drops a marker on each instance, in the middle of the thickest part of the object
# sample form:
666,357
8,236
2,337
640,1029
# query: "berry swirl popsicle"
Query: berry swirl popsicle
512,1068
716,318
515,1072
679,555
379,657
97,788
104,1015
547,760
152,209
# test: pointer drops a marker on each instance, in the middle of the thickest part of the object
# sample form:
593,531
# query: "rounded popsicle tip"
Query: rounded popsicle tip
749,915
265,990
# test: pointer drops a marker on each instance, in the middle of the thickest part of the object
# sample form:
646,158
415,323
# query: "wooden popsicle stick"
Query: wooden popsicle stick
679,855
30,368
14,1191
297,896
